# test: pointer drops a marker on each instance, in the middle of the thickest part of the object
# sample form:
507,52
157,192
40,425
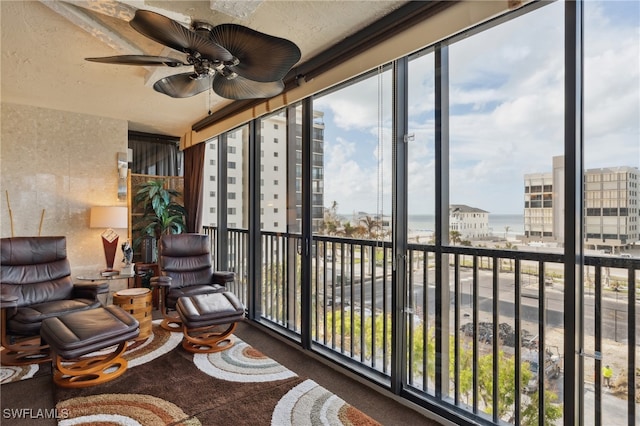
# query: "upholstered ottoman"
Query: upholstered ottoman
208,320
76,334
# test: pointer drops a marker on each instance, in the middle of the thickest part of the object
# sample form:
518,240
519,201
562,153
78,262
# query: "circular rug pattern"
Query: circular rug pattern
241,363
121,409
10,373
159,343
311,404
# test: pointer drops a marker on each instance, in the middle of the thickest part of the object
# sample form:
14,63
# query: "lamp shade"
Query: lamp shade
109,217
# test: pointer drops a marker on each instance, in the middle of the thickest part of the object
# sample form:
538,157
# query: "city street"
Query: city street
614,306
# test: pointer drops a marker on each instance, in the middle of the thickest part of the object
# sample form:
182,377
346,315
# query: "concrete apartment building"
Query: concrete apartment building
275,152
612,215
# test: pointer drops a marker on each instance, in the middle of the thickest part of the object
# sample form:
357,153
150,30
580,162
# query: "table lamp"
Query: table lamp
109,217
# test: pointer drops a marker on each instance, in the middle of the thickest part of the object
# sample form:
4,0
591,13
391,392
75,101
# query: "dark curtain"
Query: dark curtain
156,155
193,175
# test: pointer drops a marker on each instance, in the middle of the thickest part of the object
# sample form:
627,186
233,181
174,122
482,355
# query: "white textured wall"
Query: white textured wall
62,163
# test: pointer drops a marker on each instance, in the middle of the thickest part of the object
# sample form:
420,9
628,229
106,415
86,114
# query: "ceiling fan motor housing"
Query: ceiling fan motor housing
204,66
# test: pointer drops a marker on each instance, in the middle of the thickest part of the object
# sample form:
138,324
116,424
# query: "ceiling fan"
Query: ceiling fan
236,61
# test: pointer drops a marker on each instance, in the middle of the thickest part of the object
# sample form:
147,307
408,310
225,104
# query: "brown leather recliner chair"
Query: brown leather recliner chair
186,270
35,284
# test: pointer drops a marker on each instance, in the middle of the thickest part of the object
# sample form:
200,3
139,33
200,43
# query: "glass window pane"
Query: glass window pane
237,170
506,176
421,221
210,184
506,114
421,171
357,156
351,281
273,172
612,202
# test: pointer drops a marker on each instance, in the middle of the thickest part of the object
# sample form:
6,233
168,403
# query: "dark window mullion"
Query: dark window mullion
254,246
441,106
573,219
223,215
399,345
307,219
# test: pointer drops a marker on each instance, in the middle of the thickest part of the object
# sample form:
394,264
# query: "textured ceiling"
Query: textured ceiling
44,44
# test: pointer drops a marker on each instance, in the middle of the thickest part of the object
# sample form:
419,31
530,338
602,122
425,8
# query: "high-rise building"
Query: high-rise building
611,207
612,214
543,198
280,187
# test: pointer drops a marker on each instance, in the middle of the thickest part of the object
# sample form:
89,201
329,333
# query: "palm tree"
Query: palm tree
331,222
507,228
455,237
372,227
350,231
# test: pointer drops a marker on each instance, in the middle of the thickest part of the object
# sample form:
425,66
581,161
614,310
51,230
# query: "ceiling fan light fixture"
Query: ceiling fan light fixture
201,26
227,73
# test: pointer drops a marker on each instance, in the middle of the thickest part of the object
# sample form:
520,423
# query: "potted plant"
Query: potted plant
161,214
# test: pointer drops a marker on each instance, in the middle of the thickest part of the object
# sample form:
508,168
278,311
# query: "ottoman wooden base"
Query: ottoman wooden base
171,323
27,351
23,351
89,371
76,338
208,320
206,340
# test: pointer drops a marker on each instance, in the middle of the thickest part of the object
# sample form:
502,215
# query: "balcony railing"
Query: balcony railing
502,319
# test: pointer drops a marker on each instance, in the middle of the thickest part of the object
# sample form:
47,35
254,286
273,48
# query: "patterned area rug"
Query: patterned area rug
166,385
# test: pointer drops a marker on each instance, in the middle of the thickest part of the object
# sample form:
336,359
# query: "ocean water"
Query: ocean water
500,225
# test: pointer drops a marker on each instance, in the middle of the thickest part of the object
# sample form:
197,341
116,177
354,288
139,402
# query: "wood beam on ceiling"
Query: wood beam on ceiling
77,13
82,19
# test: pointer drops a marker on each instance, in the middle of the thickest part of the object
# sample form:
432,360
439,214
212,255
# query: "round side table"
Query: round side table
136,301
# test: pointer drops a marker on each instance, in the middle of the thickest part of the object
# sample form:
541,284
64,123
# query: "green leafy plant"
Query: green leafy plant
161,213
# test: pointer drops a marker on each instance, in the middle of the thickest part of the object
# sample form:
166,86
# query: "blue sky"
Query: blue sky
506,107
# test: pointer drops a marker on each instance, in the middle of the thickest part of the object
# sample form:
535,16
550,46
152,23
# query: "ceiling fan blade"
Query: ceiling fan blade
183,85
262,57
171,33
242,88
138,60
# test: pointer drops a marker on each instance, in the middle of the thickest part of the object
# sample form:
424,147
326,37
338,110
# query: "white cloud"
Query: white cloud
350,182
356,107
507,112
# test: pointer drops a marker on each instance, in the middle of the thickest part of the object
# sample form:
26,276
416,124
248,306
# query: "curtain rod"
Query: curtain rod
152,137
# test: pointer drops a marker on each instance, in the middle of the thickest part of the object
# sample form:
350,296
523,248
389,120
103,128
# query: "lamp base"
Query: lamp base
128,269
110,245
